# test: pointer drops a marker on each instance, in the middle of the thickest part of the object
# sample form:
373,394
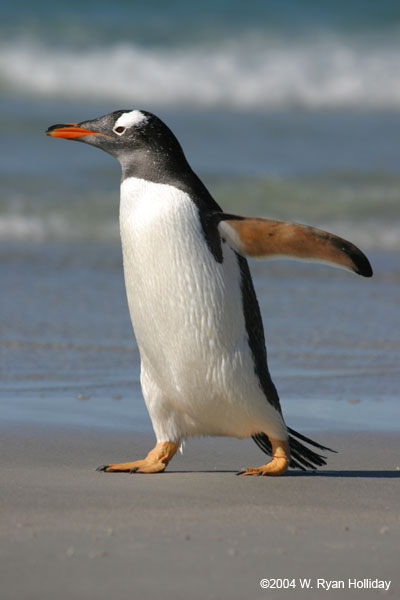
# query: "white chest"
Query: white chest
180,299
186,308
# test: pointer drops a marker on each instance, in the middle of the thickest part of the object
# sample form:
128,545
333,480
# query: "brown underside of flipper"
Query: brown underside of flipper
279,463
267,238
155,462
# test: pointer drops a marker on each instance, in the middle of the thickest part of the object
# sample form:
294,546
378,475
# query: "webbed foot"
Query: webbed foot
277,466
155,462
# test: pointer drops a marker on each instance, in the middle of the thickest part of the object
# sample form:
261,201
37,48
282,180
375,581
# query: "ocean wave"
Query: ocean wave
369,234
42,228
251,73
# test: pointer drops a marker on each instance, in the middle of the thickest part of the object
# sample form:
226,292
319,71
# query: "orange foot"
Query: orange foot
279,463
155,462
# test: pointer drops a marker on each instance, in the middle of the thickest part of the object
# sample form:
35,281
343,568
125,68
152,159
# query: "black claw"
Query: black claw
134,470
259,474
241,472
102,468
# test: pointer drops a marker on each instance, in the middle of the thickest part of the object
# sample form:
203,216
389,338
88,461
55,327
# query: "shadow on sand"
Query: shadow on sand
356,473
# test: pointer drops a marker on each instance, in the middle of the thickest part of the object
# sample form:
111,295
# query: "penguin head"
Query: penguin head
131,136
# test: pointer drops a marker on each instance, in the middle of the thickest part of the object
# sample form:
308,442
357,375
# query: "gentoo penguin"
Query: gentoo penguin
191,297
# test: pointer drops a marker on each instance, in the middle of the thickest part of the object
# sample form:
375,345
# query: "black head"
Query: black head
137,138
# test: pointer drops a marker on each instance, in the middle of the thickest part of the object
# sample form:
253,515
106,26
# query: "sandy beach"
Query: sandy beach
196,531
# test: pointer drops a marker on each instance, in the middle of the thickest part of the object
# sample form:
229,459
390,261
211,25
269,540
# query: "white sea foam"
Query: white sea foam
41,228
33,228
368,234
247,73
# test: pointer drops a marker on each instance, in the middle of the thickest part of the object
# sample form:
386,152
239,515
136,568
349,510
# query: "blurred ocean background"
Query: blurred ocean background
285,109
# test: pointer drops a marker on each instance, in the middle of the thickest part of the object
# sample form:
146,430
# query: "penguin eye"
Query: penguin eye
119,130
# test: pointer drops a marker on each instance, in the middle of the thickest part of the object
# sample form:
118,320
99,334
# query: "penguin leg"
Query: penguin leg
279,463
155,462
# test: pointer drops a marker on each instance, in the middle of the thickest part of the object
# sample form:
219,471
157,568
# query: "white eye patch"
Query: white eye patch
129,119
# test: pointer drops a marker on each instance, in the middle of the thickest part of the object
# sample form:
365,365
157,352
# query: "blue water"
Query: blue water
285,109
266,55
68,355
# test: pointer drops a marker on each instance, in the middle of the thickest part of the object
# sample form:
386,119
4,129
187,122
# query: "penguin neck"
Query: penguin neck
173,170
169,168
155,166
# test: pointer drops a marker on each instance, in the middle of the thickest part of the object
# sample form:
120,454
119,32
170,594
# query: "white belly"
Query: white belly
186,309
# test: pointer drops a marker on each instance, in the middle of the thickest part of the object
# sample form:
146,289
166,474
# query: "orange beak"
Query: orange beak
69,131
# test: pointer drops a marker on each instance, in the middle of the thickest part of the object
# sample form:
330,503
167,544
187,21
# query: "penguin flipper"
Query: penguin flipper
256,237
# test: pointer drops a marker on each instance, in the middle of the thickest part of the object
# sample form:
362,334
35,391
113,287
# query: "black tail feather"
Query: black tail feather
306,439
301,457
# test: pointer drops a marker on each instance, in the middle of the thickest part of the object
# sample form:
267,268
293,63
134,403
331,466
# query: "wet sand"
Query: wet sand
196,531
